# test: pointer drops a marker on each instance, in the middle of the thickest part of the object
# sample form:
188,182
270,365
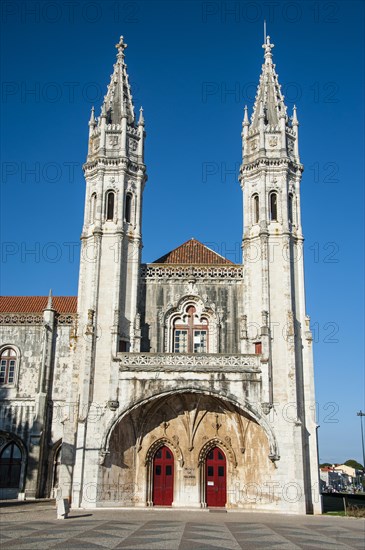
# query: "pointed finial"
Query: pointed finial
103,110
245,117
264,31
141,117
92,116
50,300
295,118
268,47
121,46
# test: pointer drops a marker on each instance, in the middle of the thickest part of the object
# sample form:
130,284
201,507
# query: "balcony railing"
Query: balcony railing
205,362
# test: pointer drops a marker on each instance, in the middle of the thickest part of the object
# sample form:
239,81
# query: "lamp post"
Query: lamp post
361,414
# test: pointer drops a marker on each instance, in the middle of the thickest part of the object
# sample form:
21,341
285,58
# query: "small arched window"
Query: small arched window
92,207
256,208
290,208
128,207
7,366
273,203
10,466
110,199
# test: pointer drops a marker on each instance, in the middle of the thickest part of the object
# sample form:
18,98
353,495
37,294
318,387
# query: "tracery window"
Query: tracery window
190,333
10,466
273,206
8,361
109,205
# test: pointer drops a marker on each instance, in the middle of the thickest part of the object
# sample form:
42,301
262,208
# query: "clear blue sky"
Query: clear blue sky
193,66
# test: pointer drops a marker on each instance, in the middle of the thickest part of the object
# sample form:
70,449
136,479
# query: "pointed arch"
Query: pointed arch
246,408
225,446
13,456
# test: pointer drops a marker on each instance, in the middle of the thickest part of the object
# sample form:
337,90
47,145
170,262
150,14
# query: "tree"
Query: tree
325,465
354,464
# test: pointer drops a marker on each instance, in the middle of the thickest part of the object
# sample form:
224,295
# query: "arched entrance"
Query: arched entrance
163,477
216,478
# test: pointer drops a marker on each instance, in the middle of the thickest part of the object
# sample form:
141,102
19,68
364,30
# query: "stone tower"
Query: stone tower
274,295
108,321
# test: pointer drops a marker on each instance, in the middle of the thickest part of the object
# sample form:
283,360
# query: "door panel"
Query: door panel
163,477
216,483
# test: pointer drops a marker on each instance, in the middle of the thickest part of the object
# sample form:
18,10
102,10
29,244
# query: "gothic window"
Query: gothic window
10,466
92,207
273,204
8,361
128,208
109,205
190,333
256,208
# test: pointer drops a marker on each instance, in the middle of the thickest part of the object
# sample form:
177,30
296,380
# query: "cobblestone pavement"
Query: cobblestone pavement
28,526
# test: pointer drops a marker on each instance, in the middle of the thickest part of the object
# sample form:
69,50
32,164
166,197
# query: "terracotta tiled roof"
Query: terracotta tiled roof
192,252
36,304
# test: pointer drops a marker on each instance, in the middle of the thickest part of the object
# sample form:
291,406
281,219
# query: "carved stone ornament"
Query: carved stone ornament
273,141
113,405
113,140
102,456
254,145
132,145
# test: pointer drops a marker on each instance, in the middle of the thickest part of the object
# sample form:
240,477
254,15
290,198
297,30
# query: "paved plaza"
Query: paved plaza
27,526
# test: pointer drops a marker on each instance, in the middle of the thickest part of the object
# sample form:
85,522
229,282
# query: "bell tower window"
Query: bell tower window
110,199
128,207
190,333
273,203
256,208
92,207
290,208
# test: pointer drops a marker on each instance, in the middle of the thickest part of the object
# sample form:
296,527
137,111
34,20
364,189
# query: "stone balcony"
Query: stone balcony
190,362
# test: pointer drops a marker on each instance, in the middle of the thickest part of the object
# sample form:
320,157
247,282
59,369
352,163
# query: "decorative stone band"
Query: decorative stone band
21,319
183,361
158,271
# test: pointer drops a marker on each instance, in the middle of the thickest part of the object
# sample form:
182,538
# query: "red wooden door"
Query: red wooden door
163,477
216,484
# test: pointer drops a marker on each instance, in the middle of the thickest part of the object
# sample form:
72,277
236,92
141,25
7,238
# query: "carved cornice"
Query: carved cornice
179,272
33,319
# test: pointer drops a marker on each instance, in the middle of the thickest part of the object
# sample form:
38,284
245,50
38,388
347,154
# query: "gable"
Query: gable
193,252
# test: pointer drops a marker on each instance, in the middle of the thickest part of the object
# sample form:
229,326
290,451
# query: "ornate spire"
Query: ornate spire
141,117
295,118
269,99
268,47
118,100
